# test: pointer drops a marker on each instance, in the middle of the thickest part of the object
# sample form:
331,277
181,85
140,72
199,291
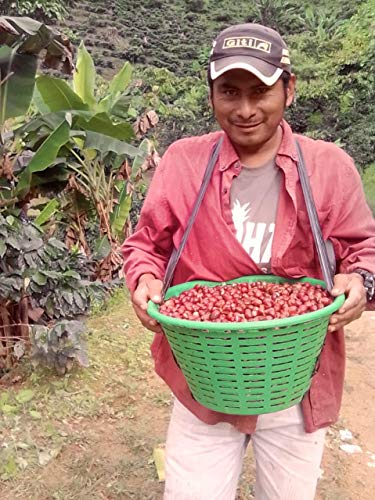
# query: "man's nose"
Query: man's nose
246,108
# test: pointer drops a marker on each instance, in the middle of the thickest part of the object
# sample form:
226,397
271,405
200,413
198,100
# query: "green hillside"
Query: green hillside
168,42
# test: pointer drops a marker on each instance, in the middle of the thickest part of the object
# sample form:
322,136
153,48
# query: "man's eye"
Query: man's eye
261,90
230,92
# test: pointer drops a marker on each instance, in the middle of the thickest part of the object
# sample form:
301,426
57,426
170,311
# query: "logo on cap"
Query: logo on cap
249,42
285,57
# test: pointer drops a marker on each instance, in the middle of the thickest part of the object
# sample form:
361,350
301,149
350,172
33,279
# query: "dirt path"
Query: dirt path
91,434
352,476
348,476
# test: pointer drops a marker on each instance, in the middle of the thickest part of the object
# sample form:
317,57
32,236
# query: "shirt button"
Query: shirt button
237,164
225,190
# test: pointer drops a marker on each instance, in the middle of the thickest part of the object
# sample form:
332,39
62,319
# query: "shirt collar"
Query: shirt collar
228,154
287,146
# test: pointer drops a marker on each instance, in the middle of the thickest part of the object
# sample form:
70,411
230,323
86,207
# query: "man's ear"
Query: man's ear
210,103
291,90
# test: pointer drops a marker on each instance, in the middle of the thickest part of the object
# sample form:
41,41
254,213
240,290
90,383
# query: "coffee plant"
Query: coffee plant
60,346
331,49
43,10
44,284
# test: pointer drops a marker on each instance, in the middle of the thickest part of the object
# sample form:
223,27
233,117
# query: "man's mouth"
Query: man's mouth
246,126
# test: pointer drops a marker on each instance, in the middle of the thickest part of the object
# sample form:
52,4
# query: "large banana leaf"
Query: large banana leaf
39,102
103,124
31,37
121,212
57,95
82,121
44,156
48,120
84,77
144,150
104,144
102,248
120,108
47,212
17,80
120,81
116,88
22,41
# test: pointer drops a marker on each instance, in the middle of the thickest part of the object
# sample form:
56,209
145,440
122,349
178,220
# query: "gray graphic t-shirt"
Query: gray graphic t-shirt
254,198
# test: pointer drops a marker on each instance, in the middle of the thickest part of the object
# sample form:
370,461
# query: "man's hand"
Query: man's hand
148,288
355,303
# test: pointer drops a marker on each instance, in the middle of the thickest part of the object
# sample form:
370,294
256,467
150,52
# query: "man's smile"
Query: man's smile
246,126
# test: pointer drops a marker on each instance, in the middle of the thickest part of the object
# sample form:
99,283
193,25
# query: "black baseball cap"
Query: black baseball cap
252,47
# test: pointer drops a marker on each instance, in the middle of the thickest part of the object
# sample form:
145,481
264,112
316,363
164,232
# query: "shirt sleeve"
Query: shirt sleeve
353,231
148,249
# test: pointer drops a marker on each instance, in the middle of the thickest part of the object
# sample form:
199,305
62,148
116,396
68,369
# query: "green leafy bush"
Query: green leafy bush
60,346
50,287
40,9
57,282
332,51
368,178
180,102
335,64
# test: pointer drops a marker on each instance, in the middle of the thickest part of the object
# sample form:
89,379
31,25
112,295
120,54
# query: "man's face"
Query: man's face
248,110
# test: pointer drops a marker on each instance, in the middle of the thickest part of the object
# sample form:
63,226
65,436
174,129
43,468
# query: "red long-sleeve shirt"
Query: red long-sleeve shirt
213,252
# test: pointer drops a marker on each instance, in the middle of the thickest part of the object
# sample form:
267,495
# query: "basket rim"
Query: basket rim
163,319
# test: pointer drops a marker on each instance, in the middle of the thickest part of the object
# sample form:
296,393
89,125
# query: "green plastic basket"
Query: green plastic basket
247,368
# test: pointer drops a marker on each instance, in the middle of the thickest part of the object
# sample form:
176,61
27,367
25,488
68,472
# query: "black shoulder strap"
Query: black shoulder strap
174,258
310,205
313,218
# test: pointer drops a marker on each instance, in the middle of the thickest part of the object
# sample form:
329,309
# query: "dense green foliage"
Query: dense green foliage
369,185
44,284
69,162
57,282
336,92
332,49
78,136
169,42
333,55
39,9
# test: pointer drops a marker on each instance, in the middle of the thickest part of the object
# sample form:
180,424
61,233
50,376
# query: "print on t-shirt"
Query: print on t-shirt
254,199
256,238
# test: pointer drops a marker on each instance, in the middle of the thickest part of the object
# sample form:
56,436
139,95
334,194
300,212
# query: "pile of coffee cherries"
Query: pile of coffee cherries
253,301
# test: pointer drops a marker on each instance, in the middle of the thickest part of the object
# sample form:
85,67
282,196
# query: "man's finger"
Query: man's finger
141,296
154,290
353,300
146,320
337,324
351,306
340,283
346,317
339,320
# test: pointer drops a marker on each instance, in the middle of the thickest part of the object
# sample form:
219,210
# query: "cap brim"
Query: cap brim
266,72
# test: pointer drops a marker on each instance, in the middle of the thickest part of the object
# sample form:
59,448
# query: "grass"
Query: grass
81,436
90,435
368,179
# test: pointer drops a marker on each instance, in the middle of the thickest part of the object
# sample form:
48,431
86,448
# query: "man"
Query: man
252,220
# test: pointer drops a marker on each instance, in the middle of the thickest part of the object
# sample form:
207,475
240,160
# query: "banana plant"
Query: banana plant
111,194
74,117
85,132
126,189
22,42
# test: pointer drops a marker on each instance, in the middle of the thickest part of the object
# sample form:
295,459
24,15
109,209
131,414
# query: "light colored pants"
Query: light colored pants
204,462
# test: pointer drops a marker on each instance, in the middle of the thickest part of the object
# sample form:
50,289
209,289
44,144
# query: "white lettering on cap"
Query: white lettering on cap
250,42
